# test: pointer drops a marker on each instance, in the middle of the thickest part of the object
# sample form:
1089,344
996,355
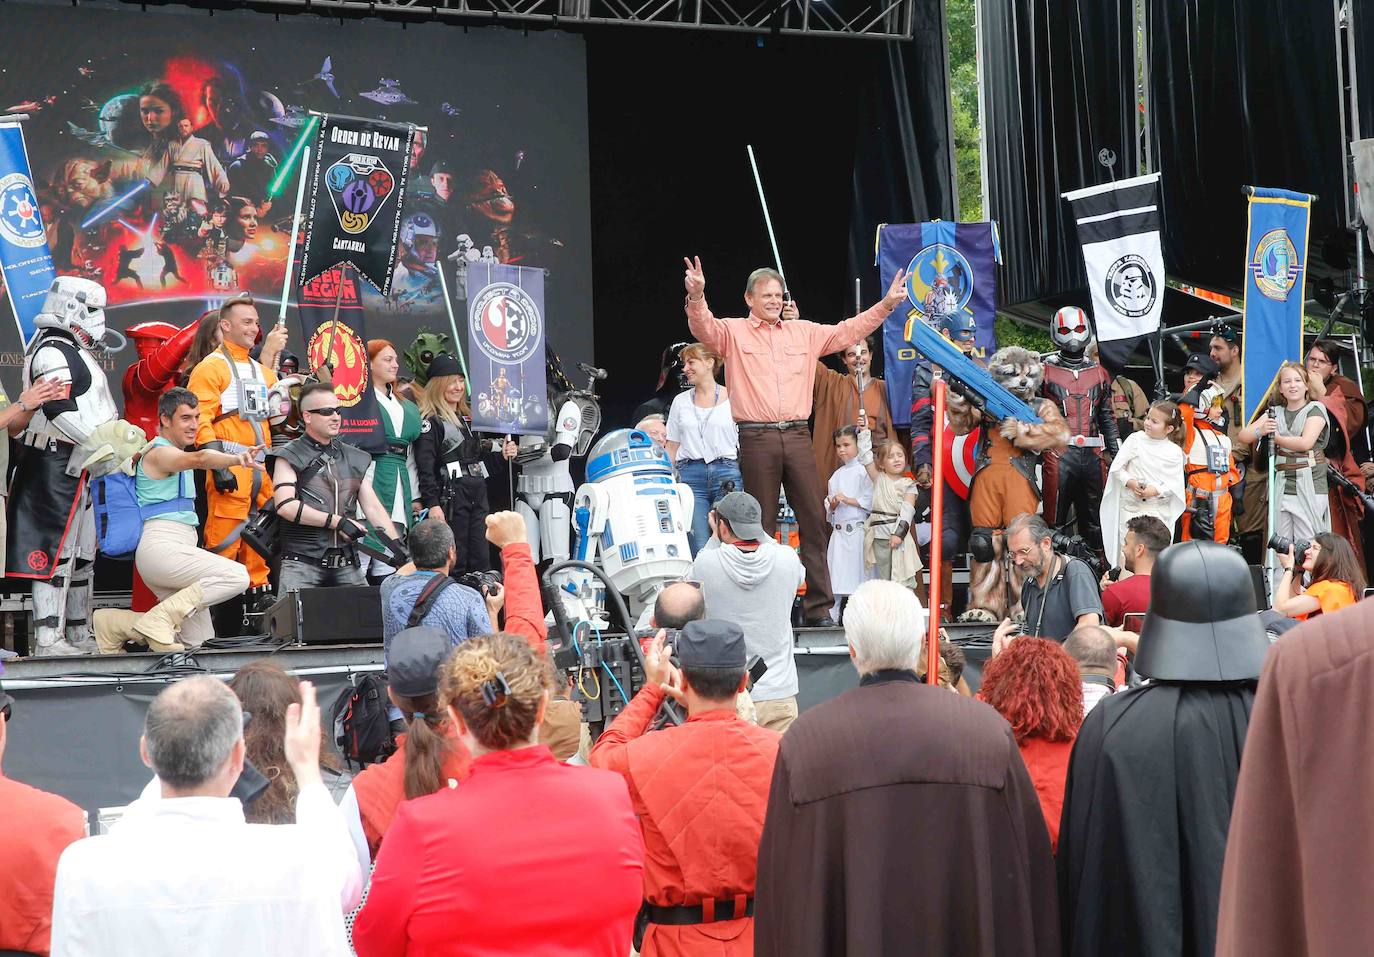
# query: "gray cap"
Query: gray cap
711,643
745,516
413,660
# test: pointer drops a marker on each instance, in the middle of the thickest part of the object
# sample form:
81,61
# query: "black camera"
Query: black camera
480,582
1073,546
1280,544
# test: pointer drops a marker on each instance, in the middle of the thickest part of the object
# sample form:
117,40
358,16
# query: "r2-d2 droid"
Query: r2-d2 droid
632,517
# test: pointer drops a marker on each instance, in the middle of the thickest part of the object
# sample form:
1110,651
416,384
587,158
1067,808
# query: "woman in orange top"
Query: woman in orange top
1334,579
1036,686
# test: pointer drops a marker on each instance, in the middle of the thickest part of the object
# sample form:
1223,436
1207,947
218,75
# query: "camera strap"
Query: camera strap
428,596
1045,595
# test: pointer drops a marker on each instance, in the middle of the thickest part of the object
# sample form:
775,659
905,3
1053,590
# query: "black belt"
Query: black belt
780,426
707,912
396,449
345,556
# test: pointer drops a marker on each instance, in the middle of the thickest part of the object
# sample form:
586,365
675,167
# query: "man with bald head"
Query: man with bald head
190,869
1094,649
678,604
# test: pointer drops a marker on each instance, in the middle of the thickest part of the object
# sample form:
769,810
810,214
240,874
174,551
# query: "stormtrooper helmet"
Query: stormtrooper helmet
1071,332
76,306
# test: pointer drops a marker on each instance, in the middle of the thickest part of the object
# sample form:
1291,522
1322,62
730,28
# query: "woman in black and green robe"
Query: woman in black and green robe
393,471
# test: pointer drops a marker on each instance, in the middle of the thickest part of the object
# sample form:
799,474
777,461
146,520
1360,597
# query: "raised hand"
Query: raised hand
301,740
505,528
249,458
790,310
896,293
695,279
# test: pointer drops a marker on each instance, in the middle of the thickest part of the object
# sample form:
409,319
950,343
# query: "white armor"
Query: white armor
632,516
545,487
71,331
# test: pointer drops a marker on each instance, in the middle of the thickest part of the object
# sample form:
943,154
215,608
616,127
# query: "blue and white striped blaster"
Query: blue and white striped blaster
632,515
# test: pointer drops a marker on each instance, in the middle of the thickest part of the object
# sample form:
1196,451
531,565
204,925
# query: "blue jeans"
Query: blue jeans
705,480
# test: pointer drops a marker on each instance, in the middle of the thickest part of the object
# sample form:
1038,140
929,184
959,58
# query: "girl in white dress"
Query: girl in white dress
848,499
1146,477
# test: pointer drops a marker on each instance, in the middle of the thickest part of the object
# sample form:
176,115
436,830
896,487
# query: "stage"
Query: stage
77,721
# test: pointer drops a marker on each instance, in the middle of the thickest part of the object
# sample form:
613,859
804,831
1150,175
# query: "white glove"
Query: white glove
865,447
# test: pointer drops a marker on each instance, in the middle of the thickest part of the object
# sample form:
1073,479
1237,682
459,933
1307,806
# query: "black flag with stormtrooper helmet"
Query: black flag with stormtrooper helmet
1118,227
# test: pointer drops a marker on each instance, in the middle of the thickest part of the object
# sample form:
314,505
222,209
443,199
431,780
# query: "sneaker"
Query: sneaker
61,648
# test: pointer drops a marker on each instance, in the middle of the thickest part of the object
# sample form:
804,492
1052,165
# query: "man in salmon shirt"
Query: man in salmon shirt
700,791
770,369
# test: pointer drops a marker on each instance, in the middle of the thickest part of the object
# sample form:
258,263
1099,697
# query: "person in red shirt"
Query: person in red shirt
1035,685
700,791
37,828
1146,536
527,856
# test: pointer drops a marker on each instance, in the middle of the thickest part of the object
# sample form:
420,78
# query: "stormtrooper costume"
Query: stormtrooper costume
52,537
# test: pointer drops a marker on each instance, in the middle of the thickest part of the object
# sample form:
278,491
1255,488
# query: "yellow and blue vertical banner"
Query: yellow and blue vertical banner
952,287
24,251
1275,277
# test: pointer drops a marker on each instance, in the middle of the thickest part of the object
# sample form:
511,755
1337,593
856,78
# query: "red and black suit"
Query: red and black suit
1074,477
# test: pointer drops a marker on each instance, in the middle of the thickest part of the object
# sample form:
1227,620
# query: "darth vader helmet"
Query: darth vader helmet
1202,625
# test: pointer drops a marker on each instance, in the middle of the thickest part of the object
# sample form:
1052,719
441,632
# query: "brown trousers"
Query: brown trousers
770,459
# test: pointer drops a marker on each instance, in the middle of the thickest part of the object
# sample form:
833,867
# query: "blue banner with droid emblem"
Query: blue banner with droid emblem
506,349
1275,275
953,284
23,240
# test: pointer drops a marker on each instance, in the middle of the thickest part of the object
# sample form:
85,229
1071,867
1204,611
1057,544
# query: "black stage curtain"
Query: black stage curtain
1242,93
1058,89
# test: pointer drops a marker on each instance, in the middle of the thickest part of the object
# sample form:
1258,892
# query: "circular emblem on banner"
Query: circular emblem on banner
940,282
19,222
38,560
1275,265
506,325
359,185
349,360
1130,286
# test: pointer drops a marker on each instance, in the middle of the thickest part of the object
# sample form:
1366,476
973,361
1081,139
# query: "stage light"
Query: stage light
279,180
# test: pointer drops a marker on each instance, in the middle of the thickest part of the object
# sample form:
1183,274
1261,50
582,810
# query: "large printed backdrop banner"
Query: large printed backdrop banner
357,194
506,349
171,220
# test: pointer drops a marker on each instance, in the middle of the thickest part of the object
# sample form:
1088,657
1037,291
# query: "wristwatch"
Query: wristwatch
23,407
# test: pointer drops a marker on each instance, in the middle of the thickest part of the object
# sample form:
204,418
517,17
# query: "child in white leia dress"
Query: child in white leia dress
848,500
1146,477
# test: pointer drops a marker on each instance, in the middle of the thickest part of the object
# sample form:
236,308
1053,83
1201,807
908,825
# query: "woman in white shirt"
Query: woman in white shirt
702,438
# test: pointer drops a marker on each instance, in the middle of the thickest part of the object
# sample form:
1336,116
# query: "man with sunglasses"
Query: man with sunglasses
231,388
320,482
37,828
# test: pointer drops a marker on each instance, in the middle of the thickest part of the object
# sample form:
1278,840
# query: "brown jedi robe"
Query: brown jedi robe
836,404
902,820
1301,848
1354,400
1347,511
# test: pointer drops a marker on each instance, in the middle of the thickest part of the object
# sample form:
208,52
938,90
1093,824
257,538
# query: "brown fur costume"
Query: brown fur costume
1001,489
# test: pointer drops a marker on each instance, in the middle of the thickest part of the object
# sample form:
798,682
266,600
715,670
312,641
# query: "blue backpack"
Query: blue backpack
119,518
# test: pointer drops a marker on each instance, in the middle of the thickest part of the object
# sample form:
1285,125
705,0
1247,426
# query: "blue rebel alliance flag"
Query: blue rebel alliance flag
1275,274
24,251
506,333
953,270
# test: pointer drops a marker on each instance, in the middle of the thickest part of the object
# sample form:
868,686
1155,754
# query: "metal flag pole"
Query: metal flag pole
767,219
295,231
453,325
937,504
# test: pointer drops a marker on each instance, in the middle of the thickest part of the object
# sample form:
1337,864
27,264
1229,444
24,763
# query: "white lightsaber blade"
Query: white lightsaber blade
767,219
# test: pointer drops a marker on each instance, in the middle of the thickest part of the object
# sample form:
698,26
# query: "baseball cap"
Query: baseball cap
259,135
443,364
745,516
711,643
1203,363
413,660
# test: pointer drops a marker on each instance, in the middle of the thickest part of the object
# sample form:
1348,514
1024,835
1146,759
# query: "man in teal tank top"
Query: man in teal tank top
187,579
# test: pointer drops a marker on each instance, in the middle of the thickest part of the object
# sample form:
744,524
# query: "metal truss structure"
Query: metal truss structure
869,19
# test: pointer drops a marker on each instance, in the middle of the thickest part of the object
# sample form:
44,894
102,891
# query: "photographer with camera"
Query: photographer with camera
319,482
701,827
1060,593
1332,572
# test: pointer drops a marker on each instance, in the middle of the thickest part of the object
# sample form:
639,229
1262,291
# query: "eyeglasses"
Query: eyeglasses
1316,359
328,410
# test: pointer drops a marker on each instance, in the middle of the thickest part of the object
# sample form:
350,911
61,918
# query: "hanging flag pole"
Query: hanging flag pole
767,219
938,390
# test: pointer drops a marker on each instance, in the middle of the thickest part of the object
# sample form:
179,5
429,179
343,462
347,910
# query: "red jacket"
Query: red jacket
701,791
37,828
1048,764
528,856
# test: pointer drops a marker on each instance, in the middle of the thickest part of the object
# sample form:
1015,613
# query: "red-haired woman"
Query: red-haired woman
1036,686
393,471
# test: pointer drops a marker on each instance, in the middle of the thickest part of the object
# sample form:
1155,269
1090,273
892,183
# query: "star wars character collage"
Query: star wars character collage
167,148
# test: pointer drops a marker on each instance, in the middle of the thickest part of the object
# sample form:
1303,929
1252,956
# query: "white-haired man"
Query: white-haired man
193,877
894,779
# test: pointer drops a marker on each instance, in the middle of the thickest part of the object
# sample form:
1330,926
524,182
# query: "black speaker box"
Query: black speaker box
347,615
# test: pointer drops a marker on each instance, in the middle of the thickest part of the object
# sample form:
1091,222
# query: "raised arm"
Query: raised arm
709,331
167,460
841,336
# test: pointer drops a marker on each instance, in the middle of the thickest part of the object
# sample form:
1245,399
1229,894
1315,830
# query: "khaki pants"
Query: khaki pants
168,561
776,715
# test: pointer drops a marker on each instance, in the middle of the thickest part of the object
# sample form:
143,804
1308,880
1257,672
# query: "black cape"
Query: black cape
1146,810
